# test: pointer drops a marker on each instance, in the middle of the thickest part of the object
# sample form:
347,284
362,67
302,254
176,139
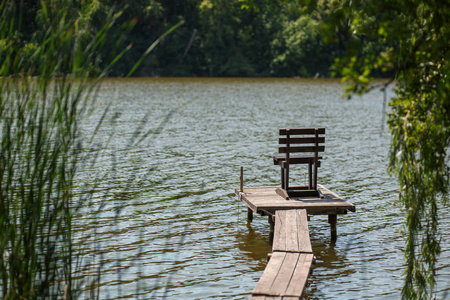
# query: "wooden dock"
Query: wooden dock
290,263
287,271
265,201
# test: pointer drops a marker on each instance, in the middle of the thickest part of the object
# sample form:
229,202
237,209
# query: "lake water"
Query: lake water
172,226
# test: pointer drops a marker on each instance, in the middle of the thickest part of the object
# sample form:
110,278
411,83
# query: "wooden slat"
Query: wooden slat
265,297
304,240
301,140
286,275
281,156
295,158
300,274
283,278
291,237
283,149
295,131
279,238
291,231
270,273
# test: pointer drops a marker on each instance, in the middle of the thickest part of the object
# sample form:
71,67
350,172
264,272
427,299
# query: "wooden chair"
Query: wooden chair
300,146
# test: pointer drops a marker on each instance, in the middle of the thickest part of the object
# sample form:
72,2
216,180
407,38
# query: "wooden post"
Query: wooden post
316,157
249,211
287,161
242,179
332,219
272,228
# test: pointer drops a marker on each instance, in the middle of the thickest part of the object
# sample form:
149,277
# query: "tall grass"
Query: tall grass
48,80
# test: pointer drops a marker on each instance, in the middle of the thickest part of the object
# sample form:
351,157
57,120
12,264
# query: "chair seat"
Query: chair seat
294,158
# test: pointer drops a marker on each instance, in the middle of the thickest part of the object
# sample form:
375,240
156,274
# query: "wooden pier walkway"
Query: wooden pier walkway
290,264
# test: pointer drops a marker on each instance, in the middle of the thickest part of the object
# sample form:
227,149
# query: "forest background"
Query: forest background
219,38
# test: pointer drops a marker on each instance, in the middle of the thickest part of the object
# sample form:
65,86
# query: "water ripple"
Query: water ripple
170,225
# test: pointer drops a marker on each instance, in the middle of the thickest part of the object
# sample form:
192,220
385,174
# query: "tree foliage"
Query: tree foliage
222,38
408,39
218,38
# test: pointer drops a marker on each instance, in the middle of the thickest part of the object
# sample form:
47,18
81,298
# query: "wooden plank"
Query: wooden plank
296,131
285,273
291,231
294,159
303,237
302,140
290,217
283,193
279,242
263,287
300,274
302,149
266,297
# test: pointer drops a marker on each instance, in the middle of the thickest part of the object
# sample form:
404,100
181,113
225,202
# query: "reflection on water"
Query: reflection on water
172,226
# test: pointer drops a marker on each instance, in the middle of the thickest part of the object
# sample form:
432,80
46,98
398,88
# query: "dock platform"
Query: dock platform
265,201
286,273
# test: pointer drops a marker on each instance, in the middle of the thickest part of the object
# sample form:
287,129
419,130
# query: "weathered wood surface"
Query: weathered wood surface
291,231
286,274
287,271
273,298
260,199
293,131
260,297
278,159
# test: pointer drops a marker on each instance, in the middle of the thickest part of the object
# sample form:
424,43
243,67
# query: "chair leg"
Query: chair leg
282,178
310,176
286,178
315,176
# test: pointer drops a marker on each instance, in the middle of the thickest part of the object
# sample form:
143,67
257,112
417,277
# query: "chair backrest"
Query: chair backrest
301,140
308,142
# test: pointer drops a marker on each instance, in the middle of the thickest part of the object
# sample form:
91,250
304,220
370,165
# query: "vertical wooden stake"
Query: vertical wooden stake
242,179
332,219
287,161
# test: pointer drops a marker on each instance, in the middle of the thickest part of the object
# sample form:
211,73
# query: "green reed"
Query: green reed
48,81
